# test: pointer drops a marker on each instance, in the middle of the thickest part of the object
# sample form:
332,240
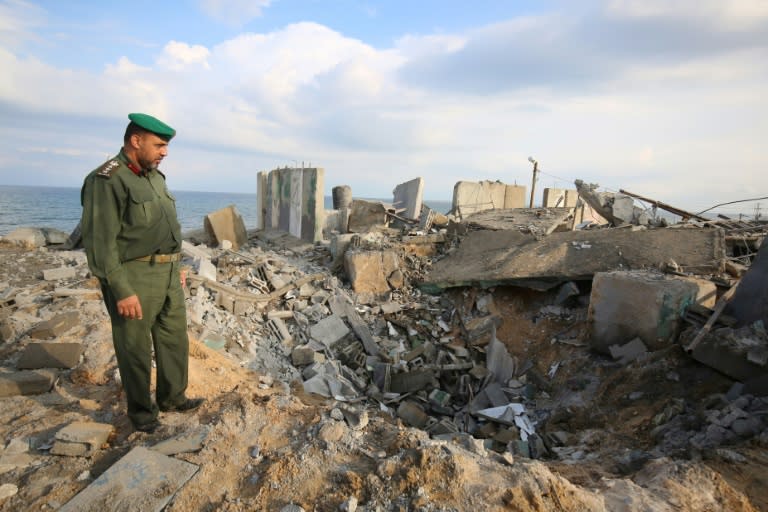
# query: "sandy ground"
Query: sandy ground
271,445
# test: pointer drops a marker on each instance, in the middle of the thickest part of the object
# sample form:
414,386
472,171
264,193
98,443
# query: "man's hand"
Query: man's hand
129,307
183,274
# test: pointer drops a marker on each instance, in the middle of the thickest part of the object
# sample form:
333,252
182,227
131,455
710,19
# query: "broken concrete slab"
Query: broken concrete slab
411,382
50,355
26,382
54,274
142,480
81,438
366,216
637,304
55,326
187,442
629,351
329,330
488,258
532,221
407,198
344,309
412,414
226,224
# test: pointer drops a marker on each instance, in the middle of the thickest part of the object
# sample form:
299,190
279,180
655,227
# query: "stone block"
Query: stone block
50,355
329,330
368,271
412,414
81,439
55,326
291,200
54,274
637,304
29,238
143,477
226,224
365,216
27,382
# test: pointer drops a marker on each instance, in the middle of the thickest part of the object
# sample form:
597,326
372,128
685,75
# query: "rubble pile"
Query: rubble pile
548,356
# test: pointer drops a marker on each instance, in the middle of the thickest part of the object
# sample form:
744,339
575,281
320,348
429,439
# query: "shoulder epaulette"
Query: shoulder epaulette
108,168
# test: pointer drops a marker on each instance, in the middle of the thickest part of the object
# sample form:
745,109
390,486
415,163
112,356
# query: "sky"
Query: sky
666,99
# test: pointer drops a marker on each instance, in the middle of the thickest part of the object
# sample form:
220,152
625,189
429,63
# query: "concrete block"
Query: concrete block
55,326
368,271
205,269
365,216
407,198
637,304
226,224
302,355
628,352
81,439
329,330
279,330
27,382
54,274
226,301
750,302
187,442
143,477
706,294
50,355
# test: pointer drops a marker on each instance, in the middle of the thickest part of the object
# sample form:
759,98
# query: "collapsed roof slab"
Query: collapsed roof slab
490,258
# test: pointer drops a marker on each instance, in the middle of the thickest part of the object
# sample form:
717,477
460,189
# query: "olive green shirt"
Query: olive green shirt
126,216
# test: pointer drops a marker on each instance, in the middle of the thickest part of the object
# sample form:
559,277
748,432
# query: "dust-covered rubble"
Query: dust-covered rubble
323,398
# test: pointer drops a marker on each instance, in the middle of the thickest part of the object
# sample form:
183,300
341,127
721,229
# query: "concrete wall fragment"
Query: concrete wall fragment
471,197
291,200
637,304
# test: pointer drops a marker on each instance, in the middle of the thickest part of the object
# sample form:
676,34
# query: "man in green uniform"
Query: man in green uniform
132,238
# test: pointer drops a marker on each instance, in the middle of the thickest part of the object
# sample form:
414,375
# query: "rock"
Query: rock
331,431
8,490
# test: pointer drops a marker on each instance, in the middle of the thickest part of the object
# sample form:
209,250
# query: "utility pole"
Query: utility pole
533,181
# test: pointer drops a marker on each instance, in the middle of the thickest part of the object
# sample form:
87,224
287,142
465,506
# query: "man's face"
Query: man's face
150,150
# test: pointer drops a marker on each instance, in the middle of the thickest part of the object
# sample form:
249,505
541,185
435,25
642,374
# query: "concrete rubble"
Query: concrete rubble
501,333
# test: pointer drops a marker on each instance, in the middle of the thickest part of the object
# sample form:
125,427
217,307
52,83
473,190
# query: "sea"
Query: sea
59,207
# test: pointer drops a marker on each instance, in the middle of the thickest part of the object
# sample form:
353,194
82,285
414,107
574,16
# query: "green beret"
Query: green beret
153,125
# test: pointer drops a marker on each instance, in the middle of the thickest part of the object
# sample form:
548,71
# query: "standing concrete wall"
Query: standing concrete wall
292,200
471,197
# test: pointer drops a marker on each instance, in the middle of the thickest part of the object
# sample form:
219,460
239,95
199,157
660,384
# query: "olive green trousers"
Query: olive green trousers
163,327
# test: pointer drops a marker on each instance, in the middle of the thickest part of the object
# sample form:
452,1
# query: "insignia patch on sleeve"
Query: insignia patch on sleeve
108,169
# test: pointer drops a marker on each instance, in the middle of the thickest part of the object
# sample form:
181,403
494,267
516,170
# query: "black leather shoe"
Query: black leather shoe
148,427
189,404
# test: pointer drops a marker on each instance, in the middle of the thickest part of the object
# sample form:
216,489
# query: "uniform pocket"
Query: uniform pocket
143,209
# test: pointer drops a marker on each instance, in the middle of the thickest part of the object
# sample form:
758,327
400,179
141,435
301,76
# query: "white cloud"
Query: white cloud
234,12
177,56
470,105
17,21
